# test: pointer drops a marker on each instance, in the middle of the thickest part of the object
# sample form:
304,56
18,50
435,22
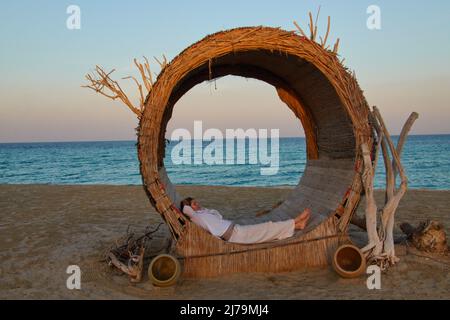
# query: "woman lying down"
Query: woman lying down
212,221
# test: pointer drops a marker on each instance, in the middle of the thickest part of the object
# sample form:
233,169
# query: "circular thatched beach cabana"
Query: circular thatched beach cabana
326,98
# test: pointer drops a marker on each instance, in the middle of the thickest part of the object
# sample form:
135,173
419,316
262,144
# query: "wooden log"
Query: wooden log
386,230
371,207
403,135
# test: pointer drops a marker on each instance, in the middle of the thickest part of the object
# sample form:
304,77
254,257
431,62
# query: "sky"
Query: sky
402,67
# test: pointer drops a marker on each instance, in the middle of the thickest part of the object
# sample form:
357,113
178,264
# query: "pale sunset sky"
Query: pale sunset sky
401,68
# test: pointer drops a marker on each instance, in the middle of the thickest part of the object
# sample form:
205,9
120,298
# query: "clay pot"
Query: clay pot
164,270
349,262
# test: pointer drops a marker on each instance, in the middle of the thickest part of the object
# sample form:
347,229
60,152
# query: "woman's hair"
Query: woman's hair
185,202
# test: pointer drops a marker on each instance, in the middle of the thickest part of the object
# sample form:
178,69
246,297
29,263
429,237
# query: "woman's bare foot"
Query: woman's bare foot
302,219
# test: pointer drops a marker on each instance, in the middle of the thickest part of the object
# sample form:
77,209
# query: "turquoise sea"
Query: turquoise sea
426,159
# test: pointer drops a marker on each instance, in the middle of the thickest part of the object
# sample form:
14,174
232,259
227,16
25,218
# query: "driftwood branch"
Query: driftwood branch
388,212
101,82
360,221
380,247
402,138
134,266
371,206
128,257
386,158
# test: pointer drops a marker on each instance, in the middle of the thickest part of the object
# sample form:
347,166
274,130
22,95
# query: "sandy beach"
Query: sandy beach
44,229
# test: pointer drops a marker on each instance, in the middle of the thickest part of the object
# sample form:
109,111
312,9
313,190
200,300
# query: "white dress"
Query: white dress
208,219
213,221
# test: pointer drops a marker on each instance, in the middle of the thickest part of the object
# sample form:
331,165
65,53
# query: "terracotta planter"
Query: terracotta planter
164,270
349,262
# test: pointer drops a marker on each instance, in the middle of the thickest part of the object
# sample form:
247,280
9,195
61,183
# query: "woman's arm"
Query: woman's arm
187,210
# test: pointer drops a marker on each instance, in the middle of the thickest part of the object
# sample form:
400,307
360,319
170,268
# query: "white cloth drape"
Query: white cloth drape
213,221
263,232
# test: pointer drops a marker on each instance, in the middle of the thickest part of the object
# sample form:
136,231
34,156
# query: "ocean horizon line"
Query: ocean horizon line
128,140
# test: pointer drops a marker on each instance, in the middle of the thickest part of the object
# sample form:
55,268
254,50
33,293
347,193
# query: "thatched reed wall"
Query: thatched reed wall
326,98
